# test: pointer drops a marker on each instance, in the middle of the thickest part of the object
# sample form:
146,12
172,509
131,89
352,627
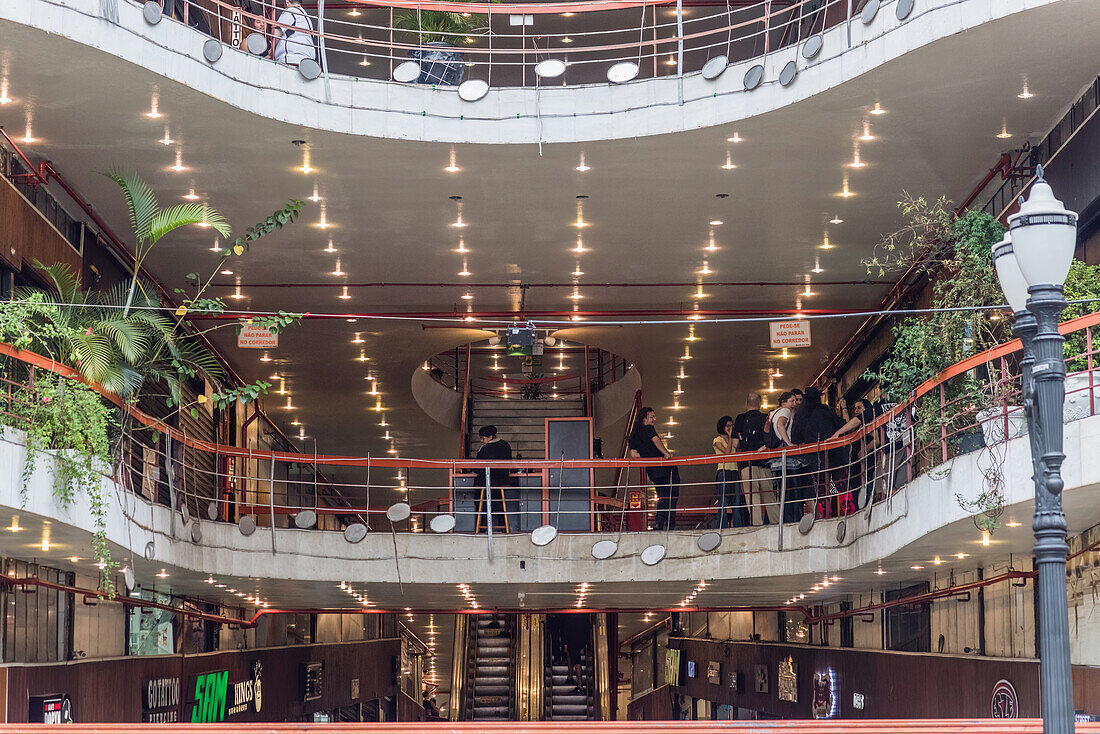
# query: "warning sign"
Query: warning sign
255,337
789,334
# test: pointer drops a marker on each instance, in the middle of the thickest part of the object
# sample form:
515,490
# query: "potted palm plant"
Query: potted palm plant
439,32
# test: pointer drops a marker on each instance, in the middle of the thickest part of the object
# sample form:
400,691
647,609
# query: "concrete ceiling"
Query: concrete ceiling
649,207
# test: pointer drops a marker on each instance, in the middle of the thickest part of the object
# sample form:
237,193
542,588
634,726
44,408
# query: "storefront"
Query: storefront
333,682
753,680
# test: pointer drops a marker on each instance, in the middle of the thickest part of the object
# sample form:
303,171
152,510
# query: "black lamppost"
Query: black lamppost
1032,262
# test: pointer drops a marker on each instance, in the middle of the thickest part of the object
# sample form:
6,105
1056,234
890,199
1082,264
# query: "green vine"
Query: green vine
70,420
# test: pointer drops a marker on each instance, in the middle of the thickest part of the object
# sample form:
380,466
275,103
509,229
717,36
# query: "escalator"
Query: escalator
491,672
514,668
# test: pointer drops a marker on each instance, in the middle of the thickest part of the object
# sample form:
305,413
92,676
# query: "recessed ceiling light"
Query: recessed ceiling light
670,61
167,139
1004,133
191,195
866,136
836,219
916,568
163,574
567,15
1012,524
1025,94
716,222
265,358
736,138
582,167
452,167
877,110
465,272
879,572
845,193
179,162
338,272
705,270
567,39
856,162
344,295
937,561
316,195
4,98
728,165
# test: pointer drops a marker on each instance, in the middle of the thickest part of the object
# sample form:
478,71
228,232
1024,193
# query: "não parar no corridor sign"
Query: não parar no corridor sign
786,334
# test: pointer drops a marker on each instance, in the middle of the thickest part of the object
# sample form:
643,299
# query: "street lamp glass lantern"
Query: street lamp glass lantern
1008,273
1044,235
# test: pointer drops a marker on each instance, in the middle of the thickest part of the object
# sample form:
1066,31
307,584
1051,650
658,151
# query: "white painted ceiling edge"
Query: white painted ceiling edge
921,522
512,115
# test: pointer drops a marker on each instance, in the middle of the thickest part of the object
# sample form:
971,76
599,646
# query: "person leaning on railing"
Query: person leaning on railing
861,463
646,443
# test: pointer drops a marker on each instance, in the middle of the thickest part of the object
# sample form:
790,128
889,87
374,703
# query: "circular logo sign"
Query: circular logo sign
1004,704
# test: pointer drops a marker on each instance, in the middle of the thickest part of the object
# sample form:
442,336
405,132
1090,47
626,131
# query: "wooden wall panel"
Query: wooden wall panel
26,235
894,685
110,690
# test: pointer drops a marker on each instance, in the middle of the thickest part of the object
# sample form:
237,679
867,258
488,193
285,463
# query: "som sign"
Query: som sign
786,334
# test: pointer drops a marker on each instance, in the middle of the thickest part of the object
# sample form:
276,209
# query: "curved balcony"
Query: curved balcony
675,66
895,505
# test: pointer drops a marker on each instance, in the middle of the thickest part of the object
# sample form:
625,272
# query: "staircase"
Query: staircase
491,696
522,423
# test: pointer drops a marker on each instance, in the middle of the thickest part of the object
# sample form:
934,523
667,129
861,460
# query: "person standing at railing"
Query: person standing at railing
294,43
756,480
777,435
646,443
861,453
813,423
731,500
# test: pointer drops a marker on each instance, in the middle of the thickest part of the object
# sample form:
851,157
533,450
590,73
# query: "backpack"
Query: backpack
751,430
771,438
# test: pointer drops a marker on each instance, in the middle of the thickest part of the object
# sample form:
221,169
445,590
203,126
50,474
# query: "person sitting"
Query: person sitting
294,35
493,449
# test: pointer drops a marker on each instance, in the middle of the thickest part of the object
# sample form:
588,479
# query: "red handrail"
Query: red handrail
959,368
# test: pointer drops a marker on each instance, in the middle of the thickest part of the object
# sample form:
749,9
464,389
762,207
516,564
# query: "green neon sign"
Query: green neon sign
210,691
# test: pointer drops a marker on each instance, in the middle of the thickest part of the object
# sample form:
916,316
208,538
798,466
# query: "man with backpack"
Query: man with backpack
748,428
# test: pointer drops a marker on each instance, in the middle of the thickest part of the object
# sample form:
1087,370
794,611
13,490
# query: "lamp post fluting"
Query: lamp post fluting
1032,262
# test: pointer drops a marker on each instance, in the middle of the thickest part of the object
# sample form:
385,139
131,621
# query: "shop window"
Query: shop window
151,631
908,627
37,622
793,629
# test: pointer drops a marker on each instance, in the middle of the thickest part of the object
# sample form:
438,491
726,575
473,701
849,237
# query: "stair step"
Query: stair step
565,717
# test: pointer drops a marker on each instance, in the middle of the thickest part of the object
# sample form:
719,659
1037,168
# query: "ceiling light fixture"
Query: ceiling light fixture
306,168
825,244
728,165
465,272
452,167
316,195
191,195
323,223
4,98
699,292
705,270
716,222
179,162
167,139
670,61
567,39
1025,94
736,138
1012,524
467,296
582,167
580,249
577,272
266,357
687,353
330,249
344,295
679,388
784,354
817,265
462,246
985,538
866,136
1004,133
237,295
154,113
877,110
358,338
836,219
845,193
856,162
338,272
